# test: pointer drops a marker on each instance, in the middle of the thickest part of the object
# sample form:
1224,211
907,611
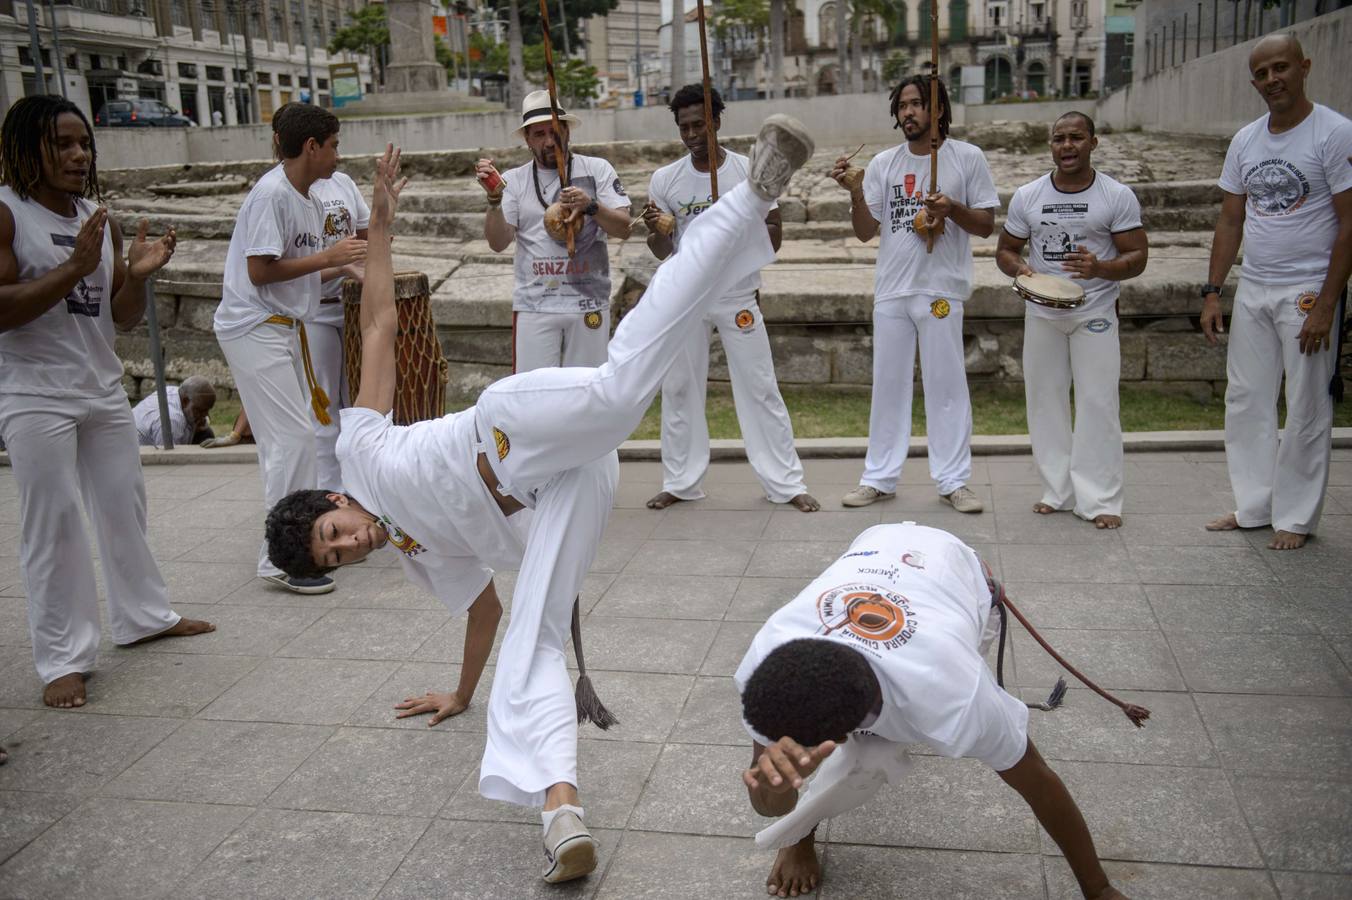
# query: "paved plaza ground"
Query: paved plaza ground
264,760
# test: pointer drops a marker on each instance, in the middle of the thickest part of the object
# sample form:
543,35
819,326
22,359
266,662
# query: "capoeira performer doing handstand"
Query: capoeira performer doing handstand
676,195
65,282
523,480
1084,225
872,656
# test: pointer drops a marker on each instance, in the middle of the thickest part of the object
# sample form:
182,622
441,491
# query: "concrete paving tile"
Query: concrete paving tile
1013,498
1299,736
170,684
366,634
1027,527
1201,565
1175,530
119,848
1141,468
1342,645
414,679
1070,563
217,544
11,720
748,497
712,715
1312,886
1012,471
1160,814
1300,824
447,643
77,754
181,490
690,558
1153,881
218,762
1125,660
757,598
688,522
418,772
633,523
954,804
14,622
729,647
1177,499
1319,563
1087,728
668,597
678,867
217,514
611,775
477,860
1260,664
824,525
971,529
647,705
697,789
1231,609
280,690
646,645
257,592
204,582
387,590
25,814
1102,606
882,873
793,558
240,630
322,854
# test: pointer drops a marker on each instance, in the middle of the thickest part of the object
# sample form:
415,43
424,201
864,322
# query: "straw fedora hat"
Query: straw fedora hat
535,108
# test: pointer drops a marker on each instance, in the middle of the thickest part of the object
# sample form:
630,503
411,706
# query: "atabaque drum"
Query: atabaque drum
1049,290
421,372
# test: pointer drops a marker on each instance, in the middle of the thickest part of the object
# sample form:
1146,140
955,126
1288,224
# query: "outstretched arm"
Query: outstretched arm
379,318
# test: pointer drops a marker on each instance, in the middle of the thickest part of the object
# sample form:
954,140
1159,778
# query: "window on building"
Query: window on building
923,20
1038,12
96,5
265,78
826,25
26,57
187,70
95,61
215,73
178,13
241,75
304,81
323,84
275,28
957,20
284,80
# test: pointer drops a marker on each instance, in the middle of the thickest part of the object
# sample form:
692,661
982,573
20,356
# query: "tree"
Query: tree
577,10
896,66
369,33
577,82
746,15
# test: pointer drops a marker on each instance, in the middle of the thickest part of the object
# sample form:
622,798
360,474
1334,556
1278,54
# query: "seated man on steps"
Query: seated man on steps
524,479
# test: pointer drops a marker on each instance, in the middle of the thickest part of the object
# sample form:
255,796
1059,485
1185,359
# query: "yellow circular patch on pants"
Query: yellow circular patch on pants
940,309
592,320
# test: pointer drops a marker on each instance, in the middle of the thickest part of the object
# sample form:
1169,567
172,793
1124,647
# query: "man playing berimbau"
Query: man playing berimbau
524,479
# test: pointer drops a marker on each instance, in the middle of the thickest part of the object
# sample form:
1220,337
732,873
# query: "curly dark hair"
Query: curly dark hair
29,128
811,690
693,95
922,84
289,529
300,122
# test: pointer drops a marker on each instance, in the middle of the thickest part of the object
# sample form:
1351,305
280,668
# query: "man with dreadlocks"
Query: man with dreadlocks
64,285
525,479
920,294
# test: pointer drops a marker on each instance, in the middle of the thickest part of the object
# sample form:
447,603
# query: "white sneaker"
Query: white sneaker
569,849
964,500
781,148
863,496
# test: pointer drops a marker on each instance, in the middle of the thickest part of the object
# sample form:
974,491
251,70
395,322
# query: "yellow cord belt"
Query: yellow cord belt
319,401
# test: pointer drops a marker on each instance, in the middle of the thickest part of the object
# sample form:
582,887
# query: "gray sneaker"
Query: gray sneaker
569,849
781,148
863,496
964,500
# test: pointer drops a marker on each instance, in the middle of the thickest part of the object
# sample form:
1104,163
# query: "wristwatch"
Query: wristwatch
591,208
1208,289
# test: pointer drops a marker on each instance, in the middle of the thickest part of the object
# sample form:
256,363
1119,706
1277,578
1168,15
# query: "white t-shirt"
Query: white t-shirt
547,280
914,601
1289,180
682,190
1055,223
68,350
277,221
421,483
147,416
895,184
345,213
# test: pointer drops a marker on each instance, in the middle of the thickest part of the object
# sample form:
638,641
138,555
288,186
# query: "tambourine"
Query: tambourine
1049,290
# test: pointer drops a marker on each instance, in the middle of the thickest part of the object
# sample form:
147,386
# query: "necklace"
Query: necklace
535,175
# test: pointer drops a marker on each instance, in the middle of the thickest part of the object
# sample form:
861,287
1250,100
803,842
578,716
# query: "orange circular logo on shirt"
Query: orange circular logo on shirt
940,309
744,318
879,618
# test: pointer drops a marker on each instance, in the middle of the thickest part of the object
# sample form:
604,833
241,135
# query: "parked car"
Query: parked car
140,112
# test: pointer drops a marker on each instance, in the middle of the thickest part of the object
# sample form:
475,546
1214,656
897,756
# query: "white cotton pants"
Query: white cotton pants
67,454
550,436
1277,479
761,413
326,354
898,324
1081,470
266,365
559,339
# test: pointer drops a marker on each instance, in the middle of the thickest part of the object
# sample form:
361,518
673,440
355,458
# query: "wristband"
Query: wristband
1208,289
591,208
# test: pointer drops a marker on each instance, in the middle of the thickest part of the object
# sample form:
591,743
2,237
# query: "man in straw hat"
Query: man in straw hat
525,480
561,301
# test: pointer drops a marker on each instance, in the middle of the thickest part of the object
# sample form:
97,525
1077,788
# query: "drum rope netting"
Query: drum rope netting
421,371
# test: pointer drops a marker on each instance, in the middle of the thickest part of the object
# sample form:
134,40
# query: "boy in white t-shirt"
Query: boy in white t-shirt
920,295
1288,195
682,190
273,271
561,303
525,479
1087,226
881,650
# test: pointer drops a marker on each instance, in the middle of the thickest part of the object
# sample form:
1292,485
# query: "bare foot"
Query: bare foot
1107,521
1287,540
796,870
805,503
1227,522
663,500
65,692
184,628
1043,509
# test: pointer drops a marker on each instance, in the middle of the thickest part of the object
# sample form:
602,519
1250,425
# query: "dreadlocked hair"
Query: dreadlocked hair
693,95
811,690
289,530
922,84
28,132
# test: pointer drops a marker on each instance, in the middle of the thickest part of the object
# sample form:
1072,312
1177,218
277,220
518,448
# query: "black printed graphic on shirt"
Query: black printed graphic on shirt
1061,229
85,299
1275,187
